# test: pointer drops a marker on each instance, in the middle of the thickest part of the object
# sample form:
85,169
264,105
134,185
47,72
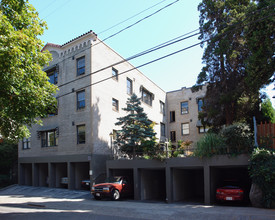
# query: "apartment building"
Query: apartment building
75,141
183,107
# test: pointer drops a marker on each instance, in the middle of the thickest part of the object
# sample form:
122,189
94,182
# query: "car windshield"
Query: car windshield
115,179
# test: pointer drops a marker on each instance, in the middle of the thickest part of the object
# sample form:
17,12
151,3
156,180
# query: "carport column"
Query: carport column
35,174
206,185
51,175
137,189
168,179
71,175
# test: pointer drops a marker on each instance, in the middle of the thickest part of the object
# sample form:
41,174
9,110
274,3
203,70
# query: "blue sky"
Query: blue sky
68,19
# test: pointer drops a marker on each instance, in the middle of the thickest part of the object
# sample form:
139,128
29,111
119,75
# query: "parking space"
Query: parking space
59,175
188,185
153,184
41,177
26,174
80,172
230,175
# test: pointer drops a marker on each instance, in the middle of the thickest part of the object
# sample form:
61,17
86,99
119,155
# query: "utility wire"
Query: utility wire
130,17
57,9
163,57
160,46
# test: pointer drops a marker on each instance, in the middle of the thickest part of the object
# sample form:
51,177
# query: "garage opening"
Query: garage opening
60,175
26,174
188,185
236,175
42,178
153,184
130,178
81,175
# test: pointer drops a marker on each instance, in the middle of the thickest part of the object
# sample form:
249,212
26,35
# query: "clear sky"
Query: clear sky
68,19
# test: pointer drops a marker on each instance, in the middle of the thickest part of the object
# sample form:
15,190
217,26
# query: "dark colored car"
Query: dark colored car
85,184
114,188
229,193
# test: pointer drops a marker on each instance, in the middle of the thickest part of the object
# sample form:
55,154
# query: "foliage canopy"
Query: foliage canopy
25,93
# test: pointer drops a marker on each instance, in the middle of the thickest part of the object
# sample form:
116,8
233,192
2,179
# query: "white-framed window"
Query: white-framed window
129,86
185,129
203,129
184,107
49,138
115,104
26,143
80,99
80,66
81,134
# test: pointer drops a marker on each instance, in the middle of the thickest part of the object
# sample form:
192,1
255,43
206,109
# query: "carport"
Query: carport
26,174
78,171
221,176
153,184
188,184
41,174
59,175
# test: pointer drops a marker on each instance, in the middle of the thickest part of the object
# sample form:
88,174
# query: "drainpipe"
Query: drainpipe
255,131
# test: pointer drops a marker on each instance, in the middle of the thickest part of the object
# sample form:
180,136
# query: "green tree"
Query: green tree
25,93
229,28
268,111
136,129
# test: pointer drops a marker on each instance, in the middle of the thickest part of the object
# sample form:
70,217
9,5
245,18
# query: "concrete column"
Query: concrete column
71,175
35,174
51,175
168,179
137,188
206,185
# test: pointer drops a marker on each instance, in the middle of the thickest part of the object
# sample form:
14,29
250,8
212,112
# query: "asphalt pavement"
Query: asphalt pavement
26,202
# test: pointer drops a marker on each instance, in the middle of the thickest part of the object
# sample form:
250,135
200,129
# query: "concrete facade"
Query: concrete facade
56,155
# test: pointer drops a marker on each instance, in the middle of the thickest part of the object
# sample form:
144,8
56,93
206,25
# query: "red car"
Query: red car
113,188
229,193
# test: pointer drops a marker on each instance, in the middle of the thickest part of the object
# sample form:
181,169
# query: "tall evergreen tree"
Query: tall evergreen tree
230,27
135,128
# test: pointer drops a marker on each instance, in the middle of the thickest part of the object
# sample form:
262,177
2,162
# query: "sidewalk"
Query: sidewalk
24,202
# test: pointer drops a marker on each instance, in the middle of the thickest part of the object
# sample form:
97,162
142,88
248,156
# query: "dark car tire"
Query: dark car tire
97,198
115,195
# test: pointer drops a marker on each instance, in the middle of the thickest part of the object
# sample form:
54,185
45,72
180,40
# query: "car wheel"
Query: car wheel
115,195
97,198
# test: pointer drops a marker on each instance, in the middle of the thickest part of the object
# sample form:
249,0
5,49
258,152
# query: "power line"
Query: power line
163,57
160,46
61,6
131,17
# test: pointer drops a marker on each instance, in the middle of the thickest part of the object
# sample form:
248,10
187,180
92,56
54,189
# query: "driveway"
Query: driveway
26,202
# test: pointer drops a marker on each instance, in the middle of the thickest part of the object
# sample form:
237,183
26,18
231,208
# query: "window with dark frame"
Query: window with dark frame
203,129
185,129
162,107
184,107
49,138
200,104
26,143
81,134
53,77
115,74
80,66
129,86
172,116
162,129
173,136
115,104
80,97
147,97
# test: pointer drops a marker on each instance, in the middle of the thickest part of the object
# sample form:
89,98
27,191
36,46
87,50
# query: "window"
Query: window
129,86
115,74
162,129
80,134
80,99
49,138
147,97
172,116
26,144
53,77
162,107
80,66
115,104
203,129
184,107
200,104
173,136
185,128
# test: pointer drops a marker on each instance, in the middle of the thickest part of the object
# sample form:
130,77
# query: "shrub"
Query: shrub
210,144
262,173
